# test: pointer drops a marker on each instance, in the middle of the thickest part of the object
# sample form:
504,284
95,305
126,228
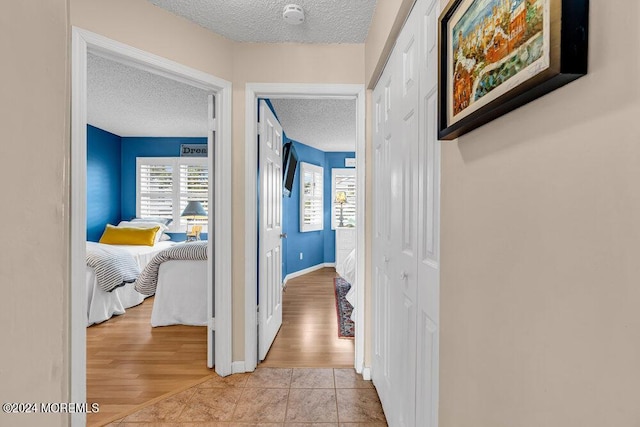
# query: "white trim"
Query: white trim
238,367
366,373
84,42
298,91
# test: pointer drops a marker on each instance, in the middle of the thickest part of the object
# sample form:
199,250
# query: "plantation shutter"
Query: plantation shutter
194,186
344,180
156,190
311,200
166,184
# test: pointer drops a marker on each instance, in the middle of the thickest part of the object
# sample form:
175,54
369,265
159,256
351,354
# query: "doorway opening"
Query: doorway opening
219,195
355,93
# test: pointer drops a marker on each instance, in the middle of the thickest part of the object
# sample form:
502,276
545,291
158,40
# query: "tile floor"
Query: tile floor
269,397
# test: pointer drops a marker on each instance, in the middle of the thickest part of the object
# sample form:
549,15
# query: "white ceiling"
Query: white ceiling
328,125
129,102
326,21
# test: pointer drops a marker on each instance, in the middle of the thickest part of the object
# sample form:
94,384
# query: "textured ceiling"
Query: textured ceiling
325,124
326,21
129,102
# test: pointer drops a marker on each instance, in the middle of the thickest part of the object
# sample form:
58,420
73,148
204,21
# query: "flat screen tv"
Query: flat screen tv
289,165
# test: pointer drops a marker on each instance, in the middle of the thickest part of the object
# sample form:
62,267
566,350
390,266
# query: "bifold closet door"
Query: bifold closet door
406,224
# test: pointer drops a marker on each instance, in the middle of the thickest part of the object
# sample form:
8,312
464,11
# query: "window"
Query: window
311,203
343,180
166,184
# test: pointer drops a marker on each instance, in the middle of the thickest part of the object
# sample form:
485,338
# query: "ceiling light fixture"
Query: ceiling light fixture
293,14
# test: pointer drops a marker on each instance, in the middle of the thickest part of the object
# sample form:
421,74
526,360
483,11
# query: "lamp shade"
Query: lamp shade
341,197
194,210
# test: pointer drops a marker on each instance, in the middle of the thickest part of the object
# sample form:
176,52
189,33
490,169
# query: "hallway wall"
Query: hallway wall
34,114
540,249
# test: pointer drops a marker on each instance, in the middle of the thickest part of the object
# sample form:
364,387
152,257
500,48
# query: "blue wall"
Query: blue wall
111,175
318,247
310,243
103,181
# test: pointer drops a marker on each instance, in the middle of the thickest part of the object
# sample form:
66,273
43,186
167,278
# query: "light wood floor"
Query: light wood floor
309,333
130,363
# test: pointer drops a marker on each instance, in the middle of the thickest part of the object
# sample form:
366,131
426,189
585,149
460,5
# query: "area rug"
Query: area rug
343,308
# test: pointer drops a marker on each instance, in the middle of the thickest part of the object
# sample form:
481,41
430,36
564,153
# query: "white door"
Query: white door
406,225
428,302
383,135
270,229
404,220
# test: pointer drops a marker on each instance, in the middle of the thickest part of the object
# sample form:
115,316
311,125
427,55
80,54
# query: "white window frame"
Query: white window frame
334,205
317,173
176,225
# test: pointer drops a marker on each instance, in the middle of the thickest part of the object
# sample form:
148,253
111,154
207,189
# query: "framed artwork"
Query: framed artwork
497,55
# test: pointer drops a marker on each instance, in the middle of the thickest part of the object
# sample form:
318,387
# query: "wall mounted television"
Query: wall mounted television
289,165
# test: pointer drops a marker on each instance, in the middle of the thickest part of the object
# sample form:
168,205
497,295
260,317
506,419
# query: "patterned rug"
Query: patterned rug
343,308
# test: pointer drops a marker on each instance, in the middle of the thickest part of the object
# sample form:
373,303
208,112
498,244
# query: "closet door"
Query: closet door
382,136
404,220
428,224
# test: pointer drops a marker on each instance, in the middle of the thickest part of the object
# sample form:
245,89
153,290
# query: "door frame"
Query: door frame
253,91
84,42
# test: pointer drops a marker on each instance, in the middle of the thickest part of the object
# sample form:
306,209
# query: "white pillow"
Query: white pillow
140,224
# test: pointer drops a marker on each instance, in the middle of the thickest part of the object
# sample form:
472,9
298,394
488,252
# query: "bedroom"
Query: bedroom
138,125
316,243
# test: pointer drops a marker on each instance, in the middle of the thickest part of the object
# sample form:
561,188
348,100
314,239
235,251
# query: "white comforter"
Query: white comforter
103,305
348,272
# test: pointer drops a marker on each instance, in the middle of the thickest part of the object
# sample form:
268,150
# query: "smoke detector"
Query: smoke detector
293,14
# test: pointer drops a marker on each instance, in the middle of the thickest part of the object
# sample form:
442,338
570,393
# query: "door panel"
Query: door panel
270,229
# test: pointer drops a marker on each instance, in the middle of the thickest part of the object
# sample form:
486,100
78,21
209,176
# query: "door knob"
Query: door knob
385,258
403,275
283,236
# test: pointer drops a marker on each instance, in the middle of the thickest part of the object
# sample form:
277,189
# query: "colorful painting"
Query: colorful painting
497,55
492,42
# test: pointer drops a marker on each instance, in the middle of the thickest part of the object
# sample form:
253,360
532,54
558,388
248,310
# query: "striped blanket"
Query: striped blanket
148,279
114,267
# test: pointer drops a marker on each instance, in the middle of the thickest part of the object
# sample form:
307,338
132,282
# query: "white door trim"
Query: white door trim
287,91
83,42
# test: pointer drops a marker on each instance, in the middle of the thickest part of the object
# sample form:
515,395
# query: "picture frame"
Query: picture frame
497,55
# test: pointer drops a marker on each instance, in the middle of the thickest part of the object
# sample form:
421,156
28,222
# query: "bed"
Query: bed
115,262
102,305
347,270
178,278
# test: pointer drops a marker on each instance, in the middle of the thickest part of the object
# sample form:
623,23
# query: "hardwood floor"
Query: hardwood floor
130,363
309,333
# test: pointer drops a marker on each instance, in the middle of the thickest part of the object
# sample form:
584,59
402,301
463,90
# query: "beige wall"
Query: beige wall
34,117
140,24
540,295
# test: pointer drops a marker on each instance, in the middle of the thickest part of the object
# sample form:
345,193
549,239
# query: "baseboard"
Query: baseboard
366,373
307,271
238,367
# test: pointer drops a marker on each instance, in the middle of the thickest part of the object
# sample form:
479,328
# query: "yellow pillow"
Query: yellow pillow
129,236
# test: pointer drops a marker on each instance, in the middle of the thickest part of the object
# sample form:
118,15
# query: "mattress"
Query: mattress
103,305
181,294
